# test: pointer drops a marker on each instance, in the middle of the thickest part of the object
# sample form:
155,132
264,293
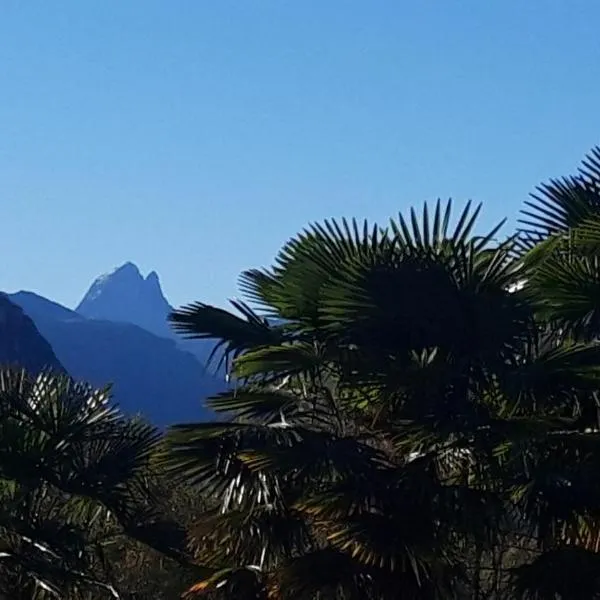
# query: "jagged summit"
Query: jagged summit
126,295
127,273
152,281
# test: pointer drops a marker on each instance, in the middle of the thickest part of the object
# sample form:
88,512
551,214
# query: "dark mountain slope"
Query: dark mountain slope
21,344
150,374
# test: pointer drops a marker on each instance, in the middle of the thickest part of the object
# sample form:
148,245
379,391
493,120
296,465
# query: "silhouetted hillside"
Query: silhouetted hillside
151,374
20,341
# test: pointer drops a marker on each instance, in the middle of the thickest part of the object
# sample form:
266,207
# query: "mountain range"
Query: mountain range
21,344
125,296
119,334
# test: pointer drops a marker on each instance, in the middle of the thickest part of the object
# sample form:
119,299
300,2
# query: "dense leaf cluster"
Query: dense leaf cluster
416,412
415,415
75,481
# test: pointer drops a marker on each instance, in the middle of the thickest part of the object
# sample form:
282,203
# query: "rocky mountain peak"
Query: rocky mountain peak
127,296
127,269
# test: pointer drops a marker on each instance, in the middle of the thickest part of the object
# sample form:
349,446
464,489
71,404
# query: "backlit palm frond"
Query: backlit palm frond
54,403
432,234
331,243
206,455
356,494
264,290
111,468
277,407
235,456
272,363
386,520
264,536
232,333
264,406
73,473
583,240
291,288
566,292
228,460
565,203
330,573
459,303
557,206
401,546
590,166
533,254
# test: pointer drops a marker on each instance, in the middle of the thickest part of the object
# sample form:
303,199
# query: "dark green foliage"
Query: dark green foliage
74,479
416,416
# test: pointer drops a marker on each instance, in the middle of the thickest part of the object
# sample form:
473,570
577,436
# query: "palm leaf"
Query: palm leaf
563,203
265,406
276,362
233,333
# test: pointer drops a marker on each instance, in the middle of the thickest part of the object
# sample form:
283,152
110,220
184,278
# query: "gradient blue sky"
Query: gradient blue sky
193,136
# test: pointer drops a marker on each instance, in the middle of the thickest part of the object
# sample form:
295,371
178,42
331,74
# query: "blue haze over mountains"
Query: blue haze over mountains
119,334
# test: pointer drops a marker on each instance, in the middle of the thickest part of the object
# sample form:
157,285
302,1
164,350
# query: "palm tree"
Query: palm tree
74,479
393,386
560,235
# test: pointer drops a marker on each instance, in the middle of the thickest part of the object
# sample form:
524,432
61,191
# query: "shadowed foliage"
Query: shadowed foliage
415,415
74,480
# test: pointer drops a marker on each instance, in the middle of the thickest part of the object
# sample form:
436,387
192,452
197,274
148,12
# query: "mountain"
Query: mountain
21,344
150,374
126,296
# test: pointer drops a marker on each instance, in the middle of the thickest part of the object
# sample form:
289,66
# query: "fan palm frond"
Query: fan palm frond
414,405
564,203
73,473
232,333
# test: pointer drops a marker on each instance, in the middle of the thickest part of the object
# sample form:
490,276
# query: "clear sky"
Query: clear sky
194,136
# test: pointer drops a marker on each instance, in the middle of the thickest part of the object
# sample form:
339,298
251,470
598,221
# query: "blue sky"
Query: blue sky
194,137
